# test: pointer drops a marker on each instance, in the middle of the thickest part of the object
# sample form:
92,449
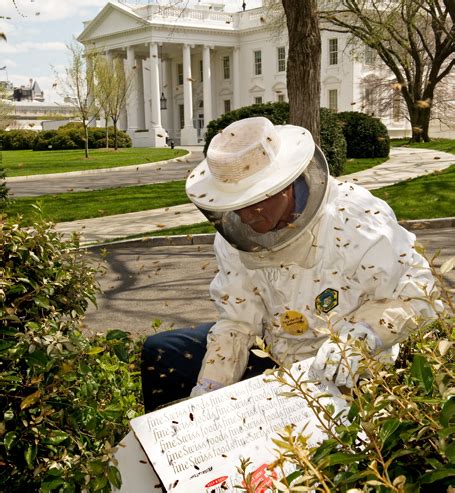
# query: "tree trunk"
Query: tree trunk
86,139
107,135
115,134
304,64
420,122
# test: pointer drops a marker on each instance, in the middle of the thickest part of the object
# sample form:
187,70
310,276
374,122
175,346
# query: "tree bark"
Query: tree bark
86,140
114,121
304,64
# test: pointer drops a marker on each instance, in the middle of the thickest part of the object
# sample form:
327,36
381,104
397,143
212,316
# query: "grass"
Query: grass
22,163
445,145
85,205
425,197
354,165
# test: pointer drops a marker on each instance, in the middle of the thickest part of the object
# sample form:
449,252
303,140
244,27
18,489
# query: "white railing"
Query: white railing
154,12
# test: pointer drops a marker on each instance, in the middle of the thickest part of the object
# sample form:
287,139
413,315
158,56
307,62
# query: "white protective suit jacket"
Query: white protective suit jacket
354,263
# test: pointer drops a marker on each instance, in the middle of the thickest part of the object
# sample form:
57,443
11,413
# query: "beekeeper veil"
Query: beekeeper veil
248,162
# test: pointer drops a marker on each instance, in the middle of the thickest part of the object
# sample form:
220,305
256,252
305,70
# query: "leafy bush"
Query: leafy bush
365,135
398,435
332,140
3,187
333,143
15,140
65,400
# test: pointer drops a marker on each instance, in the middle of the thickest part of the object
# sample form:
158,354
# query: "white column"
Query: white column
155,86
207,76
90,77
140,94
131,105
188,135
236,74
166,90
156,131
147,109
108,55
123,120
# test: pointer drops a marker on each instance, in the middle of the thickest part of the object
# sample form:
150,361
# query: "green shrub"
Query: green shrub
71,136
365,135
16,140
332,140
65,400
333,143
3,187
43,140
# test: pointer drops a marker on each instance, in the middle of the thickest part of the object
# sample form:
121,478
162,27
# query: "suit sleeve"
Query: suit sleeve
397,280
241,312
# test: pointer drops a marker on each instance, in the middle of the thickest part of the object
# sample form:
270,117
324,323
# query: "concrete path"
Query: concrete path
403,164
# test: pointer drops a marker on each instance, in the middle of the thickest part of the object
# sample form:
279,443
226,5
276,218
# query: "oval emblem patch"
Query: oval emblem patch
294,322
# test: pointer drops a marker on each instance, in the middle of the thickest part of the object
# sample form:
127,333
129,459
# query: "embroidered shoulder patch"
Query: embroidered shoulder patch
327,300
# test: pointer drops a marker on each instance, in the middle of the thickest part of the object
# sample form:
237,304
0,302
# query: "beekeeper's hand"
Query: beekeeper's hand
338,360
205,386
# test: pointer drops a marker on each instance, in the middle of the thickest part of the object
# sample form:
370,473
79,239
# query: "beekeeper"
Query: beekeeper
299,254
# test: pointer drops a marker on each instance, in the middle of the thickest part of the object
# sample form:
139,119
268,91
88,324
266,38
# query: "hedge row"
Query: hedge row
342,135
70,136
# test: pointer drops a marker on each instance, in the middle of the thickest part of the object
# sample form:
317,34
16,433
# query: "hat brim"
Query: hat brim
296,151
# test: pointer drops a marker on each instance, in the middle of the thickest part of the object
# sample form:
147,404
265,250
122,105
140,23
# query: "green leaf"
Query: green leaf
293,476
5,345
99,483
95,350
96,467
388,428
353,411
432,477
51,485
447,416
114,477
121,353
41,302
342,458
37,358
30,455
57,437
450,452
9,439
421,371
117,334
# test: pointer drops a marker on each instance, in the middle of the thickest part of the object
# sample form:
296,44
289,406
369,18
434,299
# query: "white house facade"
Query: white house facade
192,65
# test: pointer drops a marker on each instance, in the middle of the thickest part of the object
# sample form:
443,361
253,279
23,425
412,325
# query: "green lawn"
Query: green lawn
354,165
84,205
425,197
445,145
22,163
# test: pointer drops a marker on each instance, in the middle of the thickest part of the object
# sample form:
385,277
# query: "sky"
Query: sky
39,31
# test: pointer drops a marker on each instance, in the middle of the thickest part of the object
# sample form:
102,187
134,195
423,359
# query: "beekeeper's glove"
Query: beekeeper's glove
204,386
339,362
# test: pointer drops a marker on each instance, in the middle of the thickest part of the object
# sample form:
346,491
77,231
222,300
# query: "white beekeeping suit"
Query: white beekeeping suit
343,257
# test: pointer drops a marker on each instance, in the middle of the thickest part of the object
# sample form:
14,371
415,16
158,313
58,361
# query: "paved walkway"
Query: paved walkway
402,165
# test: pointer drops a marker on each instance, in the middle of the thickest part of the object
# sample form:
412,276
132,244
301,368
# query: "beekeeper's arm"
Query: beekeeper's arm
240,321
398,283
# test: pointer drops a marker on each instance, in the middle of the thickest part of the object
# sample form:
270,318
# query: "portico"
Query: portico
164,67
